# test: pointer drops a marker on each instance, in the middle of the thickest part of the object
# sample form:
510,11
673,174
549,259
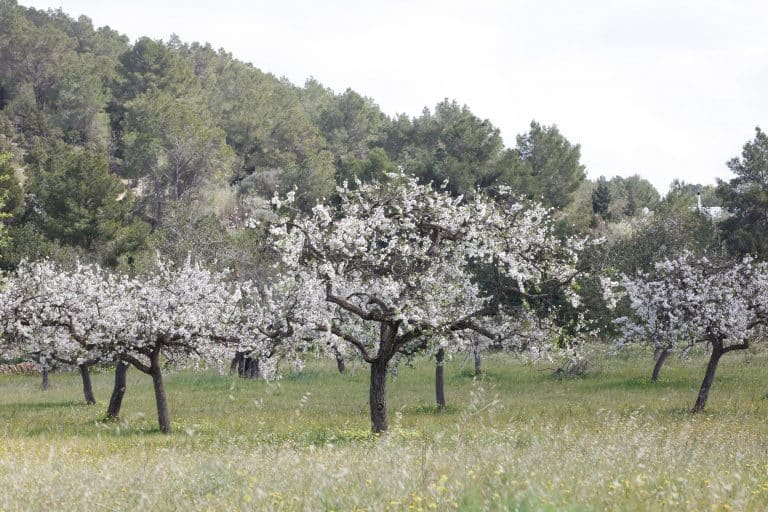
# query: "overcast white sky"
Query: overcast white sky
665,89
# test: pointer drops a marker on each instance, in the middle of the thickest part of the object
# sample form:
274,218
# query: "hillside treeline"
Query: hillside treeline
111,151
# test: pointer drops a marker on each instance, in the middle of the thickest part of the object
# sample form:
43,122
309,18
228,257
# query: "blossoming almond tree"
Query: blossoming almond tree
531,276
176,315
265,326
664,307
169,315
66,316
690,300
388,273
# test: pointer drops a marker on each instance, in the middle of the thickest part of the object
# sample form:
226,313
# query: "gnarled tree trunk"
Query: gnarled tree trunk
478,360
45,384
709,376
378,395
252,368
116,400
85,374
161,401
660,358
341,365
440,379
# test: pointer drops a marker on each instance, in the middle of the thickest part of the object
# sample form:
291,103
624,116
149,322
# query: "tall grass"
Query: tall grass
513,439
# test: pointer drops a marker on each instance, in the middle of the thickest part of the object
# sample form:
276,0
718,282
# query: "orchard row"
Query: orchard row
392,269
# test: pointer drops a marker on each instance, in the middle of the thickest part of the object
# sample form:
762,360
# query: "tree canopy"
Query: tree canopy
746,198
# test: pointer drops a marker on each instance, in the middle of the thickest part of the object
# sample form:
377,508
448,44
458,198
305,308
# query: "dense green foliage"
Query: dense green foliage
111,151
181,123
746,197
601,199
548,168
80,203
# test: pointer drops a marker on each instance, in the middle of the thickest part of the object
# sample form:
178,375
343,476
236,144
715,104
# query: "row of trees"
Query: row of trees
86,315
192,128
389,272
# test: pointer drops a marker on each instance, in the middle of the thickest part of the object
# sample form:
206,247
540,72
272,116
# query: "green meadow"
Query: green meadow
514,438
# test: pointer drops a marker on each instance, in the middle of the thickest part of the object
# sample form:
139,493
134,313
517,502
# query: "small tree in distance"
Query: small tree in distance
175,315
59,316
691,300
264,328
171,315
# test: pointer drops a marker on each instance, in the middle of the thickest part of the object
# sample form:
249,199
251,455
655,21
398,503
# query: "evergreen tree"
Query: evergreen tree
746,198
545,166
450,144
601,199
81,204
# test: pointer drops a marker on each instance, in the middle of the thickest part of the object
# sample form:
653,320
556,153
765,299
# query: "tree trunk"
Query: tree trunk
439,379
241,364
163,416
340,363
478,361
252,369
661,357
39,91
235,365
116,400
378,396
85,374
44,373
701,401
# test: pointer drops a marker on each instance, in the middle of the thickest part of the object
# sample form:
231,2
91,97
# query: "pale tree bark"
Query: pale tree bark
478,360
45,384
340,363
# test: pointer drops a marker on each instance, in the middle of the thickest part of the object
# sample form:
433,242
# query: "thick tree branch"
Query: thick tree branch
135,362
349,339
738,346
352,308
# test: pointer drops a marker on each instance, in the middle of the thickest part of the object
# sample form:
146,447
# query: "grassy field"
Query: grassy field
514,439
